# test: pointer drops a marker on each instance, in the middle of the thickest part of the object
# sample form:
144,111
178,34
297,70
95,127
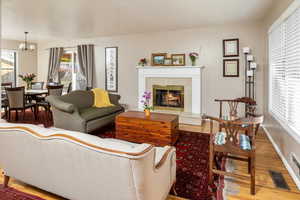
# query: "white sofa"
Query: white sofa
79,166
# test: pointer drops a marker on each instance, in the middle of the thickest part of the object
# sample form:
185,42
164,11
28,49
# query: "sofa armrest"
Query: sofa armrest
161,155
61,105
114,99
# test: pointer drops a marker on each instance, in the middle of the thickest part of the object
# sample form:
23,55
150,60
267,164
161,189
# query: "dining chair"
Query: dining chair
51,83
55,90
233,144
16,101
4,101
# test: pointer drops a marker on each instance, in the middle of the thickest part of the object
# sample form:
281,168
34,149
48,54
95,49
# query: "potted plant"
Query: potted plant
143,62
146,102
28,78
194,56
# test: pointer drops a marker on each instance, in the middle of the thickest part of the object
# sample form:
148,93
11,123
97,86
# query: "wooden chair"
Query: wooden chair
234,144
16,101
4,101
249,103
55,90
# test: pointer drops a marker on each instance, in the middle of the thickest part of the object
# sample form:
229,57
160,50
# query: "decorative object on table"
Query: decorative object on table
178,59
231,48
27,78
158,59
231,68
143,62
250,69
111,69
193,56
168,62
146,102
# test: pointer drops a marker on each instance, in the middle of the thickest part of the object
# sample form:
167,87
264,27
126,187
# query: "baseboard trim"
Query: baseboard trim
285,162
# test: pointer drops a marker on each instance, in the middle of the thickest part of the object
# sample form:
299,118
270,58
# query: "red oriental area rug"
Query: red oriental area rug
192,162
192,153
13,194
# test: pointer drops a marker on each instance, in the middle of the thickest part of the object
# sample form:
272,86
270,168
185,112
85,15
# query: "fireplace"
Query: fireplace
169,97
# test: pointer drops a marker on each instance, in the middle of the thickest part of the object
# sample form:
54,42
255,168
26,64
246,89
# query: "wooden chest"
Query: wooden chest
157,129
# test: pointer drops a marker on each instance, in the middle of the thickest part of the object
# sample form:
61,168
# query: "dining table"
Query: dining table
35,92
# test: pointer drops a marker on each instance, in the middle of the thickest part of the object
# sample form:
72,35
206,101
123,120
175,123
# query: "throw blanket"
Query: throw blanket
101,98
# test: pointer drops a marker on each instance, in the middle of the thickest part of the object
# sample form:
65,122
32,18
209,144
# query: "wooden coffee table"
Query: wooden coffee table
157,129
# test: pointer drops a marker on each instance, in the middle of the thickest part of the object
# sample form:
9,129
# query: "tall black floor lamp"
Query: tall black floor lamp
250,73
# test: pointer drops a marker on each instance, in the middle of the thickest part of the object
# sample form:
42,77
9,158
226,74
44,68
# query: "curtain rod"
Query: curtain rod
70,47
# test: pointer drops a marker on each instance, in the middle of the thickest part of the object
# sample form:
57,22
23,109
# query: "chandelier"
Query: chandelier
24,46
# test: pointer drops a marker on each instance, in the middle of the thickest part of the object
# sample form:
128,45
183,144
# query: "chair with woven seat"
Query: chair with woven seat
55,90
16,101
235,144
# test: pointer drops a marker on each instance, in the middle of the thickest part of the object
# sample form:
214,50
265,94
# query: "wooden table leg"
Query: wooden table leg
6,180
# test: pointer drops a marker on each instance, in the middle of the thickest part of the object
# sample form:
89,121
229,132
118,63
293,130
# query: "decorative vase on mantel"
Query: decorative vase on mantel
194,56
193,62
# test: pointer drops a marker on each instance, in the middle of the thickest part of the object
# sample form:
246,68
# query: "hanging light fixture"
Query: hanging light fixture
24,46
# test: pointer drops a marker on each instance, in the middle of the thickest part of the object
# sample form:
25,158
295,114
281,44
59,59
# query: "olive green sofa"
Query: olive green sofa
75,111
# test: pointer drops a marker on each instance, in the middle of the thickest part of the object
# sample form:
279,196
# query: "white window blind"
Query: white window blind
284,59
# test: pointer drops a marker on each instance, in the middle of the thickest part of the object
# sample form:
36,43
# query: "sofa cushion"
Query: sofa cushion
94,113
81,99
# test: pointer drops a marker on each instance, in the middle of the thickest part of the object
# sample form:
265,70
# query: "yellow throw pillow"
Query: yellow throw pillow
101,98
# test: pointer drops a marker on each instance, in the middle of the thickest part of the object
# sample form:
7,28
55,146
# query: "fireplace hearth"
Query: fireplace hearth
169,97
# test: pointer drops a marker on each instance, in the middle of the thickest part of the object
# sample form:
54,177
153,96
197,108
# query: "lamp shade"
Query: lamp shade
22,46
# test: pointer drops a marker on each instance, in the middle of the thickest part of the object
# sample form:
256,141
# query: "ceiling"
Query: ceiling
69,19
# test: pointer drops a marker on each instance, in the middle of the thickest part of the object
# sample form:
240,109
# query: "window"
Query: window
69,71
284,59
8,66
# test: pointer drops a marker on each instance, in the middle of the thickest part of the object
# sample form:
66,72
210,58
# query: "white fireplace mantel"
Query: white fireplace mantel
193,72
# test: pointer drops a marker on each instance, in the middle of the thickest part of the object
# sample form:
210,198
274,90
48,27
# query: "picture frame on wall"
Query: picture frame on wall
111,69
178,59
231,68
231,48
168,62
158,59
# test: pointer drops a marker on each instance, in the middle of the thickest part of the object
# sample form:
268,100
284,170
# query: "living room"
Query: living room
187,62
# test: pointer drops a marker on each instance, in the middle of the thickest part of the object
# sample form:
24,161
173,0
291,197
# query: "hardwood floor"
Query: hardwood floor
267,159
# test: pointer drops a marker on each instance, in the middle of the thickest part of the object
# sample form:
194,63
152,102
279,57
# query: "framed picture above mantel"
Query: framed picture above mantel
162,59
111,69
158,59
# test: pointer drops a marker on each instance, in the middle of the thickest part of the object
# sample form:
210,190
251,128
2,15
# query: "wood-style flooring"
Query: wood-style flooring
267,159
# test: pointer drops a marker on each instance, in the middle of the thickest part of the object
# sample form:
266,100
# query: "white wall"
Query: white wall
26,60
207,41
284,142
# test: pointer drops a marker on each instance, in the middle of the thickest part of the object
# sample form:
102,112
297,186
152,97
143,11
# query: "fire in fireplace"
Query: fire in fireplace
169,97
